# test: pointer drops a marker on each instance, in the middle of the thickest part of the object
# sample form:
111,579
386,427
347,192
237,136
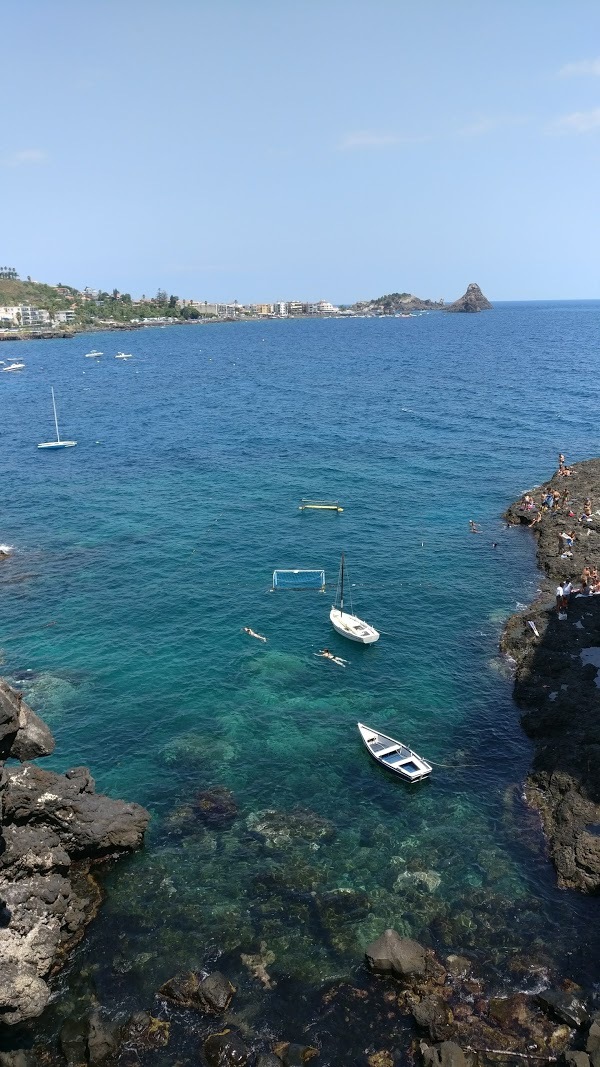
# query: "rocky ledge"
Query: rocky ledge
472,300
53,827
557,656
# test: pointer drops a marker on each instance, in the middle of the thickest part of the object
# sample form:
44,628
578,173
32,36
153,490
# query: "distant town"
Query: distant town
28,305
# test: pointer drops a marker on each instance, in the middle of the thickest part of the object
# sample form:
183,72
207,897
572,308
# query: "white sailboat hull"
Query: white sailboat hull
58,444
353,628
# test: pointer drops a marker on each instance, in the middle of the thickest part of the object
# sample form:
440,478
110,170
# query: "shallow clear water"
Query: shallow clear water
142,553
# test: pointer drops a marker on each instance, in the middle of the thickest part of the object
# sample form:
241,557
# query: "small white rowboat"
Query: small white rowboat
394,756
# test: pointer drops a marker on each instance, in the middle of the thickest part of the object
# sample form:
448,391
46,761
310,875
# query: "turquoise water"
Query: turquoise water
142,553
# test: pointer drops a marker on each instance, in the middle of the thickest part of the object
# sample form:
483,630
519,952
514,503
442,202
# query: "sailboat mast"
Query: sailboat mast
342,585
55,418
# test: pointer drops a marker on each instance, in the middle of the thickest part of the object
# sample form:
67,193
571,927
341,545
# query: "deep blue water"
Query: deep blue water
140,554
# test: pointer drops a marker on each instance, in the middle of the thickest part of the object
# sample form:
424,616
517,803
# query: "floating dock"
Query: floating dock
320,505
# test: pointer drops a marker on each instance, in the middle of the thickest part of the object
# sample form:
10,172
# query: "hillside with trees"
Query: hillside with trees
93,309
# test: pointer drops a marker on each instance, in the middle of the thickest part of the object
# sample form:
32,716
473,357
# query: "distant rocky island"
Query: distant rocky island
471,301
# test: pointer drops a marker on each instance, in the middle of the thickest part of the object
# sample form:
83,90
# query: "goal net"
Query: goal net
299,579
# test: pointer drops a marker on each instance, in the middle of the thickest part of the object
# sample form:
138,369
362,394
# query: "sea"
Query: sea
140,556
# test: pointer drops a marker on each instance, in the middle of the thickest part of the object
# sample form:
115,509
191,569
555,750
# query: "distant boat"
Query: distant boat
58,443
14,365
349,625
394,756
93,355
124,355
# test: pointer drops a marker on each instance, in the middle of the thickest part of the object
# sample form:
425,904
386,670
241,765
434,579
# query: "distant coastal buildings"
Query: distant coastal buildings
280,309
37,306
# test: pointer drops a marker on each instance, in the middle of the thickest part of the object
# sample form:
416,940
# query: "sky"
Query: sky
260,150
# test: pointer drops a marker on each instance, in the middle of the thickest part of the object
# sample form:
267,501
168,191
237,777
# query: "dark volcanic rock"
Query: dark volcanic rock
87,823
212,994
577,1059
23,735
392,954
432,1014
472,300
448,1054
556,674
51,827
565,1006
225,1049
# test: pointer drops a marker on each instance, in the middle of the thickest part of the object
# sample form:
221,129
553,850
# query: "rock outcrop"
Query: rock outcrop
52,827
472,300
557,657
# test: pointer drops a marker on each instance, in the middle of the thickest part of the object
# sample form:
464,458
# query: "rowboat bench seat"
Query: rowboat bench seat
388,751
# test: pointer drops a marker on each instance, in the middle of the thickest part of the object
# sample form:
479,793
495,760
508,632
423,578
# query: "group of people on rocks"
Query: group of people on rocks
590,585
553,501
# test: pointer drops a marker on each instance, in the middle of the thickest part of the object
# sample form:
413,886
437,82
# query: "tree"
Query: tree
173,301
125,298
161,296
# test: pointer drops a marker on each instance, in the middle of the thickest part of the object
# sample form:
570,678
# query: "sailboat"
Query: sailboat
349,625
58,443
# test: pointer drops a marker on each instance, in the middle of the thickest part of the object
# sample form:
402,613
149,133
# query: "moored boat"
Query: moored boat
394,756
347,624
58,443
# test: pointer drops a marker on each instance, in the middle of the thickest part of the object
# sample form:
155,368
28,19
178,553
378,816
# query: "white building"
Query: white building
65,316
322,307
24,315
280,308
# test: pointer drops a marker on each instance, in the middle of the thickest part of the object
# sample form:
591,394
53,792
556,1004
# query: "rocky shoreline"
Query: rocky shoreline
53,829
556,659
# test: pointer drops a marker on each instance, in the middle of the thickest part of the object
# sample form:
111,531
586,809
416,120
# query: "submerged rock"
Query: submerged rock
279,829
216,807
257,965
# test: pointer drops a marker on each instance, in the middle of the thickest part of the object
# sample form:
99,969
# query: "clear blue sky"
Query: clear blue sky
289,149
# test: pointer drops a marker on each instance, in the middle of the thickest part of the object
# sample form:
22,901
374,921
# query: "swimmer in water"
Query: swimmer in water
324,653
474,528
252,633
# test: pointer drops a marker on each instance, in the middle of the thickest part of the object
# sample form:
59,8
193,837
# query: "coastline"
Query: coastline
557,679
53,829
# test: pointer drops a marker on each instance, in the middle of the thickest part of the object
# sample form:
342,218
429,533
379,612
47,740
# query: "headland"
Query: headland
555,647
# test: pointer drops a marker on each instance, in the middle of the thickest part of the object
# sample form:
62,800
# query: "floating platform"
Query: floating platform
320,505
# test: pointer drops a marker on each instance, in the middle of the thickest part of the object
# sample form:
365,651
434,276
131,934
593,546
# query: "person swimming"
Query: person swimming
324,653
252,633
473,526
